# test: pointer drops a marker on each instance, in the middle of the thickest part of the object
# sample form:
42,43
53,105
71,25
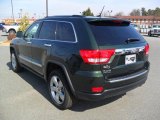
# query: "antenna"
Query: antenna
100,15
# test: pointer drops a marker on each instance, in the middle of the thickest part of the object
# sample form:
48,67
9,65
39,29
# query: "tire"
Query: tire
59,91
149,34
12,32
14,62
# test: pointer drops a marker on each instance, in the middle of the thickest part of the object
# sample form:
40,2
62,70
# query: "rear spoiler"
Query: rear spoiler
109,22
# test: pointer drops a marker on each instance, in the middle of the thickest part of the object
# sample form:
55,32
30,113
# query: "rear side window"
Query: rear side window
113,32
48,30
65,32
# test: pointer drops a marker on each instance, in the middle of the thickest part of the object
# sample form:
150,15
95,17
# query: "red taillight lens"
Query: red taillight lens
147,49
97,89
96,56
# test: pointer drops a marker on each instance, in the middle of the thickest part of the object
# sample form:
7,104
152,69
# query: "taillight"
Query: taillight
147,49
97,89
97,56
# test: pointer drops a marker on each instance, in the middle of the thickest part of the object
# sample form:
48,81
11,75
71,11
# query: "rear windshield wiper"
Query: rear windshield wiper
132,40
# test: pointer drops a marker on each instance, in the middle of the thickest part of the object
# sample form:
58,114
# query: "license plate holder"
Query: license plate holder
130,59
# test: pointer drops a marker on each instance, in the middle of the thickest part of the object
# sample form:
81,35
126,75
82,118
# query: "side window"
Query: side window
65,32
31,32
48,30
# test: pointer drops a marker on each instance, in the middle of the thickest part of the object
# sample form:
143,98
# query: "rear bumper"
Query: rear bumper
112,92
155,33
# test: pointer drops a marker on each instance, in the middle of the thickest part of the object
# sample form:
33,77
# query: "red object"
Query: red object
97,56
147,49
97,89
117,21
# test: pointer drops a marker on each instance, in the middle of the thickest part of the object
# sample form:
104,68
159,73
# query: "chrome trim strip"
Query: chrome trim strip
47,45
76,39
129,50
30,61
29,42
123,79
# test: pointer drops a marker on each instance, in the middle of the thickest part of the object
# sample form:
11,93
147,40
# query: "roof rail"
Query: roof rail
77,15
64,16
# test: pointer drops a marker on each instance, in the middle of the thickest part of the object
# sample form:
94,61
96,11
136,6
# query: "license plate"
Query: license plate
130,59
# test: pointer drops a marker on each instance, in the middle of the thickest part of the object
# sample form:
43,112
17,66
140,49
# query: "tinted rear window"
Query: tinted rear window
113,33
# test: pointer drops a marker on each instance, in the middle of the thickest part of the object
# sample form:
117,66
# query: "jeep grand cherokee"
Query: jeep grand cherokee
89,58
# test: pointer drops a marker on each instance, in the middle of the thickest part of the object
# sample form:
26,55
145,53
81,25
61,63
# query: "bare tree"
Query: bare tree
119,14
135,12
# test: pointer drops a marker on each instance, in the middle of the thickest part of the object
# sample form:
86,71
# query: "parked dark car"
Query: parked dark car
88,58
1,26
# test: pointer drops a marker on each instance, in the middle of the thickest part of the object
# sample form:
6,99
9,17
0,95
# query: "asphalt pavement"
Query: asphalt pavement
24,96
3,36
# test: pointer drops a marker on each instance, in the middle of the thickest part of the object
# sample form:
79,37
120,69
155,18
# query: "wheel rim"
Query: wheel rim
57,90
12,32
13,61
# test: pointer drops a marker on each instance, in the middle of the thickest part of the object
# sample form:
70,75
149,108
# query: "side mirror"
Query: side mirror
19,34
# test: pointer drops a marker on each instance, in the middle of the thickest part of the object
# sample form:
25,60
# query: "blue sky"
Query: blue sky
64,7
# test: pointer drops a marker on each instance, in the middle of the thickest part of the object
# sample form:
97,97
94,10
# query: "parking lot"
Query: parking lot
24,96
3,36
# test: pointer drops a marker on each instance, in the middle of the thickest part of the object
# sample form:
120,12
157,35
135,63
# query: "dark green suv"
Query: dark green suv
89,58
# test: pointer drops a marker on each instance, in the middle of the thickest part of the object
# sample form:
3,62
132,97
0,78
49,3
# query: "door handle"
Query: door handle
47,45
29,42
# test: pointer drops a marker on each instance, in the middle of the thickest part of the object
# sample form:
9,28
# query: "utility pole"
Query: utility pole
19,15
21,10
12,10
46,8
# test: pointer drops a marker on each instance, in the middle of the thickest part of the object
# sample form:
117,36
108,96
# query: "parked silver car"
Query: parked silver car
155,30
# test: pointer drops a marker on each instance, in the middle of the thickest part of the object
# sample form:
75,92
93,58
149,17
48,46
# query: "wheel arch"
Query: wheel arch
51,65
11,29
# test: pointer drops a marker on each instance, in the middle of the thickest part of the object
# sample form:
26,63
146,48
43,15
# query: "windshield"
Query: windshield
156,26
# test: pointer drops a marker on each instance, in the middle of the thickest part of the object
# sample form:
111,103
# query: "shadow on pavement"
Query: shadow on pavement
86,105
151,36
39,84
36,82
4,35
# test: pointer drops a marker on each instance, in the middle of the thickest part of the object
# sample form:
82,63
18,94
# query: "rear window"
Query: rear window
113,32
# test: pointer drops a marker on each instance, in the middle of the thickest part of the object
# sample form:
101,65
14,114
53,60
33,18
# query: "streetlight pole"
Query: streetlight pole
12,10
109,11
21,12
46,8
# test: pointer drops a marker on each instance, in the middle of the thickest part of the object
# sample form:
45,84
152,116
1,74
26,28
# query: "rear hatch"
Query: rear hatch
130,48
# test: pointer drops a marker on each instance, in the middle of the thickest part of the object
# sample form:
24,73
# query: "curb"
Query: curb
4,43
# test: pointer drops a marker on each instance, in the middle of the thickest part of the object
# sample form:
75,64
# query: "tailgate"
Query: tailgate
124,62
130,47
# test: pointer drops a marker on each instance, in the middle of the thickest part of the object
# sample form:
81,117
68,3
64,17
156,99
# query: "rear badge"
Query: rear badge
130,59
106,71
106,67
